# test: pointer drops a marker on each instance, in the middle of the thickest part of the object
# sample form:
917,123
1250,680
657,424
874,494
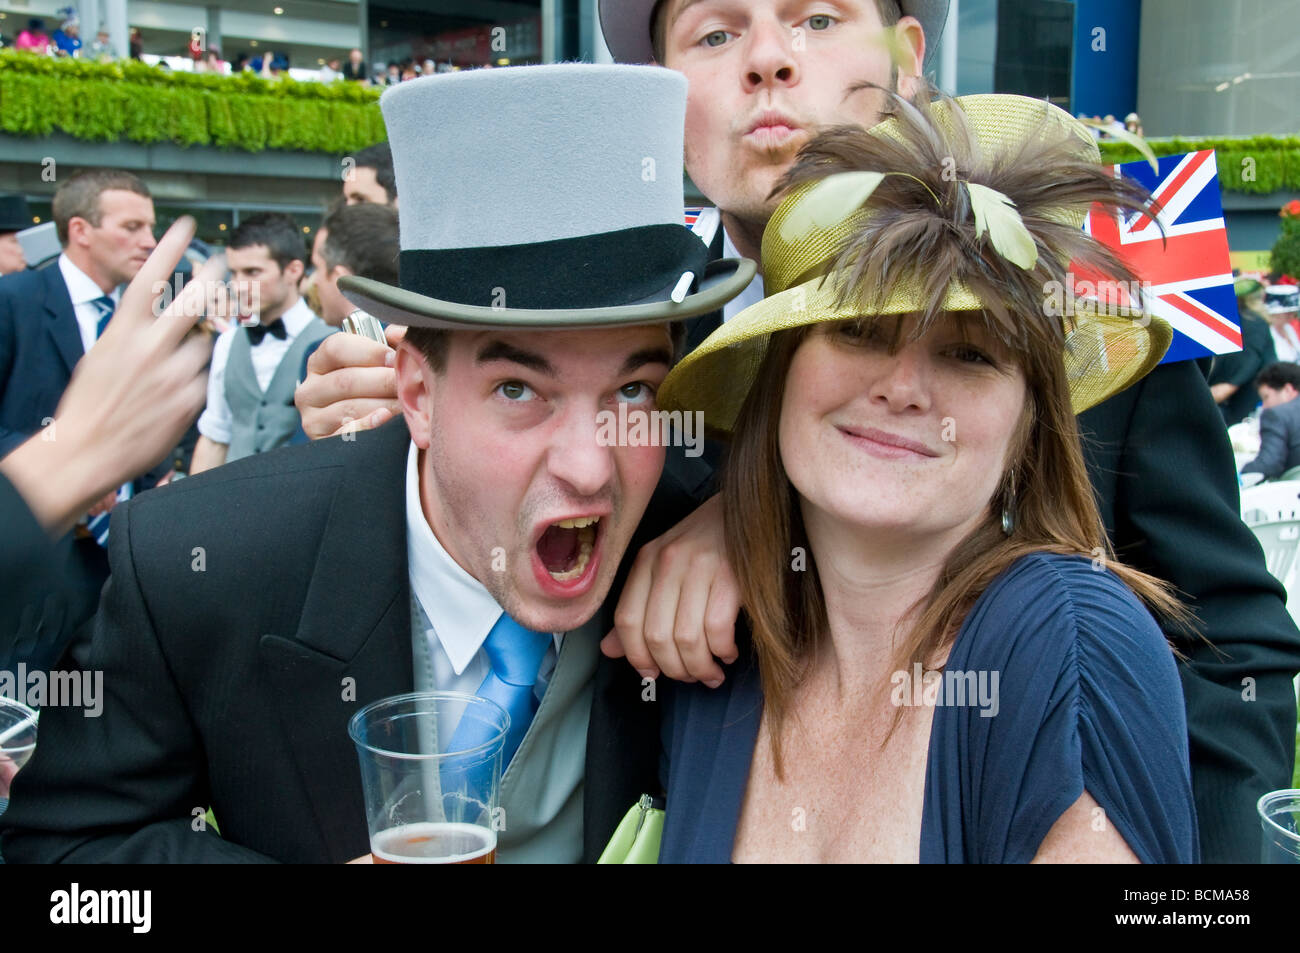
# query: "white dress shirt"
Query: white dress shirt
457,610
753,292
83,290
1286,343
216,421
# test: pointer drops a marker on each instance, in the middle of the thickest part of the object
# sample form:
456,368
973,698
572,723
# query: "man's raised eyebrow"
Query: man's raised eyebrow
672,16
649,355
501,351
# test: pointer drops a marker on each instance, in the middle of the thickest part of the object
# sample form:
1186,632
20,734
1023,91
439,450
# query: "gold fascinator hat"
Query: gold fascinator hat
973,204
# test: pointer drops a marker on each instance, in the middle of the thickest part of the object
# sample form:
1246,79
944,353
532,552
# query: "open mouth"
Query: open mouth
565,547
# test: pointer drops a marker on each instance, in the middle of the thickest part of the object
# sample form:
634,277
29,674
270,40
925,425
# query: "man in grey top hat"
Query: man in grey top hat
254,608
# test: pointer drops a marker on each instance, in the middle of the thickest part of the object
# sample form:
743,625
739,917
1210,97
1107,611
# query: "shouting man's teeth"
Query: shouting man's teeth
565,548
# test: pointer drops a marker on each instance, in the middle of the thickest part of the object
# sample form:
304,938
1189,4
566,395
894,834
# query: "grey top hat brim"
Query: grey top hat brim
626,26
722,281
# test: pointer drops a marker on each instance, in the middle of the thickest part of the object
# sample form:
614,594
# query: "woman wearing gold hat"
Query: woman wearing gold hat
947,664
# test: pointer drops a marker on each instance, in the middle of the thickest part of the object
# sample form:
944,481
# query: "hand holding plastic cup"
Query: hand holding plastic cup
431,796
17,740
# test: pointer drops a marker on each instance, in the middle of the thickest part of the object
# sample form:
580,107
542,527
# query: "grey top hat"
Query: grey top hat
544,197
626,25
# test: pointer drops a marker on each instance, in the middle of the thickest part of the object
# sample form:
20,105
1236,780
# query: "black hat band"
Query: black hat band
611,269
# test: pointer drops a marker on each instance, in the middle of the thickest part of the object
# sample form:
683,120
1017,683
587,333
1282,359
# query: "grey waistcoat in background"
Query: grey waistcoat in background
264,421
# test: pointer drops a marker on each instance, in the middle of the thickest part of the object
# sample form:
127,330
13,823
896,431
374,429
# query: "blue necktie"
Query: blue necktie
98,526
104,305
515,654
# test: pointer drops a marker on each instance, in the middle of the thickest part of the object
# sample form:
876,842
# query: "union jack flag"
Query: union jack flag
703,222
1186,274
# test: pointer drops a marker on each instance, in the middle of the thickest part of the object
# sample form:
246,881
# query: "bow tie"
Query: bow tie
256,332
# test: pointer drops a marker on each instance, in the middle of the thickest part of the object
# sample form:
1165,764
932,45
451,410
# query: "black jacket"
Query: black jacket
1160,462
240,602
34,575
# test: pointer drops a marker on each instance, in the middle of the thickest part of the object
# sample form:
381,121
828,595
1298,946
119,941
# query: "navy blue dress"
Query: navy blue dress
1088,697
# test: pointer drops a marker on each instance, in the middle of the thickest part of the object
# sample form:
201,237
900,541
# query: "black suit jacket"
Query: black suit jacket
243,605
33,585
40,344
1161,466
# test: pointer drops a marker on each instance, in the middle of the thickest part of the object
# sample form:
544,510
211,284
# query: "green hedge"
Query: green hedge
1276,165
128,100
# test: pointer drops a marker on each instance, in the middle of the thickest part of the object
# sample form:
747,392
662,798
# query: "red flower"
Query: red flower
1291,209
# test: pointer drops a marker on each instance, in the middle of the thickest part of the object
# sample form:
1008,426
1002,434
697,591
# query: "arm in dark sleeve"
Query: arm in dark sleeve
1229,368
1241,368
1177,516
1271,460
30,577
9,439
1244,370
121,786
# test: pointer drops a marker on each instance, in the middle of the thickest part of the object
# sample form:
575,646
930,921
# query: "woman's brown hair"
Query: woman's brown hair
922,217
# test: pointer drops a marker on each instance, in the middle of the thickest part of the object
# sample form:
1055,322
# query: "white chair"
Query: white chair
1271,502
1272,511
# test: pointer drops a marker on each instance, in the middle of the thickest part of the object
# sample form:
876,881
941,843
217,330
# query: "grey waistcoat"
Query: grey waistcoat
541,793
264,421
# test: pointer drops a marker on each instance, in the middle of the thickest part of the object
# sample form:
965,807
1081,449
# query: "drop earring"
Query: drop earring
1009,505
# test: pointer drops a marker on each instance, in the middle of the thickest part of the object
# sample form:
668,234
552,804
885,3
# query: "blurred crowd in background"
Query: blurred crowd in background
66,41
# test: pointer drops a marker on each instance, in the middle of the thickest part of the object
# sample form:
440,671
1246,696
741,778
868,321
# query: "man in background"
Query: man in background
371,177
1279,421
255,363
50,318
353,240
354,69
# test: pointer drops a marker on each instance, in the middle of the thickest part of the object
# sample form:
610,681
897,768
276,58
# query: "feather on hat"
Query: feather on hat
974,204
